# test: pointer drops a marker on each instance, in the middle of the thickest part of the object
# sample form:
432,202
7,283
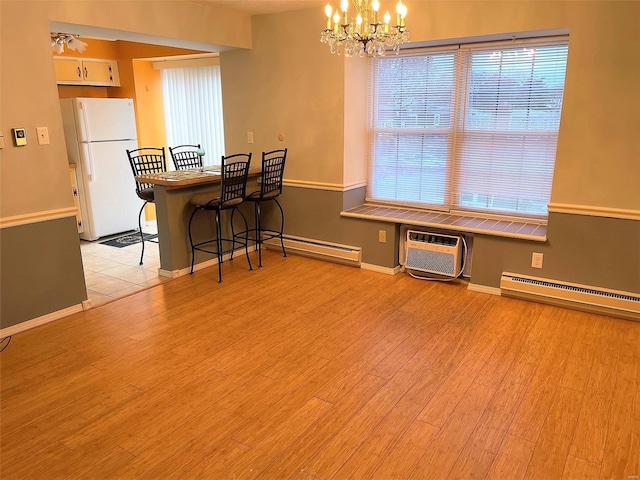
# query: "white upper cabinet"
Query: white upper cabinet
86,71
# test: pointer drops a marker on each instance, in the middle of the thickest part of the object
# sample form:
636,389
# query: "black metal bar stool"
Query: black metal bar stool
144,161
186,156
234,172
270,189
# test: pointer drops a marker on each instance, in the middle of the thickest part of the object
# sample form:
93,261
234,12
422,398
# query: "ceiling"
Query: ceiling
251,7
261,7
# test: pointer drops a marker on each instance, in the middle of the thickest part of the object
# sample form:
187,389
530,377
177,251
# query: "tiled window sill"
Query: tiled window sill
527,230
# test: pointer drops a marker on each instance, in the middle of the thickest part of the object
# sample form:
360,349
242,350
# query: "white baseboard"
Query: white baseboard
36,322
386,270
199,266
474,287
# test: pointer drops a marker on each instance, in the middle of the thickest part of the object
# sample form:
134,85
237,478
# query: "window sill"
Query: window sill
526,230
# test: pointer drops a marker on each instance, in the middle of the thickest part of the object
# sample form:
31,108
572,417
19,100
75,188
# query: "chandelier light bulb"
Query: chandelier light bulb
328,11
375,5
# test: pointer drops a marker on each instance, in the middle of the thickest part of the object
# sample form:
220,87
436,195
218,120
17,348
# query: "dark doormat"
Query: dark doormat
129,239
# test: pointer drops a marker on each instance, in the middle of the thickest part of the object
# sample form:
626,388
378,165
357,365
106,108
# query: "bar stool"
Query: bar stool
144,161
270,188
186,156
234,172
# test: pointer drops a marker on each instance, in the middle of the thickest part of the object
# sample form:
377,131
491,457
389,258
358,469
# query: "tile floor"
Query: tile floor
112,272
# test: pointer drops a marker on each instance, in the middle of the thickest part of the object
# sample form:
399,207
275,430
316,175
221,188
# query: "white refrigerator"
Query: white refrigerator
98,133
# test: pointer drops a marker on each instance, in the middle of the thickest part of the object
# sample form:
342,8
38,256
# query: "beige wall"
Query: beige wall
288,84
598,150
34,178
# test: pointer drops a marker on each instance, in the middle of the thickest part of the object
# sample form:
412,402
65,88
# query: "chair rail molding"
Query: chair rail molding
333,187
621,213
37,217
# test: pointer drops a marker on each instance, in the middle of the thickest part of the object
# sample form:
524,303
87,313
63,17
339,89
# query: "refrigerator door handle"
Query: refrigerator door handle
87,157
86,135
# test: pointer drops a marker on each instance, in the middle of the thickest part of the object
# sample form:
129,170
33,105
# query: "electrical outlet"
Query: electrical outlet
43,135
382,236
536,260
249,137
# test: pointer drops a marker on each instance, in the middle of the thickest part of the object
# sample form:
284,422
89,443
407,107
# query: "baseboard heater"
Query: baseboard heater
571,295
317,249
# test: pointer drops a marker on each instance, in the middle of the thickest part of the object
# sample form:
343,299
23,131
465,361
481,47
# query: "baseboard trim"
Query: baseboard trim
36,322
377,268
199,266
474,287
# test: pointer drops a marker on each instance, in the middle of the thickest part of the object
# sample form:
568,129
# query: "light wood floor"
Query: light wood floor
310,370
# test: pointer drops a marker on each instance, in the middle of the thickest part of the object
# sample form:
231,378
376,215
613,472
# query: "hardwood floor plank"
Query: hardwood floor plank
366,459
196,379
292,461
538,400
467,367
404,457
438,460
591,432
512,459
347,441
539,336
520,318
280,439
476,458
551,451
579,469
580,358
472,319
622,445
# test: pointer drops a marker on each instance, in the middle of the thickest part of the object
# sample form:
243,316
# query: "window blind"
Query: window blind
469,128
193,109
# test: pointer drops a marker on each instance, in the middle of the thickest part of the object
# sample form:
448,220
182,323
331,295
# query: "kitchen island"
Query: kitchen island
172,192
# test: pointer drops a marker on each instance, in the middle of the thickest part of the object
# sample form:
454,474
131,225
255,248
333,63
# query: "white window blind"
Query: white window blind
467,128
193,109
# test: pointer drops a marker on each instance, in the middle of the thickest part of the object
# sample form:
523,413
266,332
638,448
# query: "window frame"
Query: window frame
459,104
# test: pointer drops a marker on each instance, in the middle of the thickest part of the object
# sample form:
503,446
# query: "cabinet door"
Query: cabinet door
100,72
68,71
76,200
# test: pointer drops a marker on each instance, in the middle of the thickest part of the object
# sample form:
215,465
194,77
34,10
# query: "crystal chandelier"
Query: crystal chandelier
72,41
364,32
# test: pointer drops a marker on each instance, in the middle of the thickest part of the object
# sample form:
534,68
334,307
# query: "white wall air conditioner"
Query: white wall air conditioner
433,253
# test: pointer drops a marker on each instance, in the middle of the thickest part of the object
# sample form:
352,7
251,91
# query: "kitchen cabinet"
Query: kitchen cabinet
76,200
86,71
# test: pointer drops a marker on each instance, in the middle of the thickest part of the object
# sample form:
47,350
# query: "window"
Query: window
192,99
470,128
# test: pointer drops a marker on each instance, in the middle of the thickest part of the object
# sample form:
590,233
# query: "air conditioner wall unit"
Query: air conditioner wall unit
433,253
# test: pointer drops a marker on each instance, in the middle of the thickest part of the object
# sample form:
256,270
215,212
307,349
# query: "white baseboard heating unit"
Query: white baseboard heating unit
322,250
571,295
433,253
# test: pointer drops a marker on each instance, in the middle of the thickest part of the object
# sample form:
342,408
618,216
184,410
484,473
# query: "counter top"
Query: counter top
186,178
